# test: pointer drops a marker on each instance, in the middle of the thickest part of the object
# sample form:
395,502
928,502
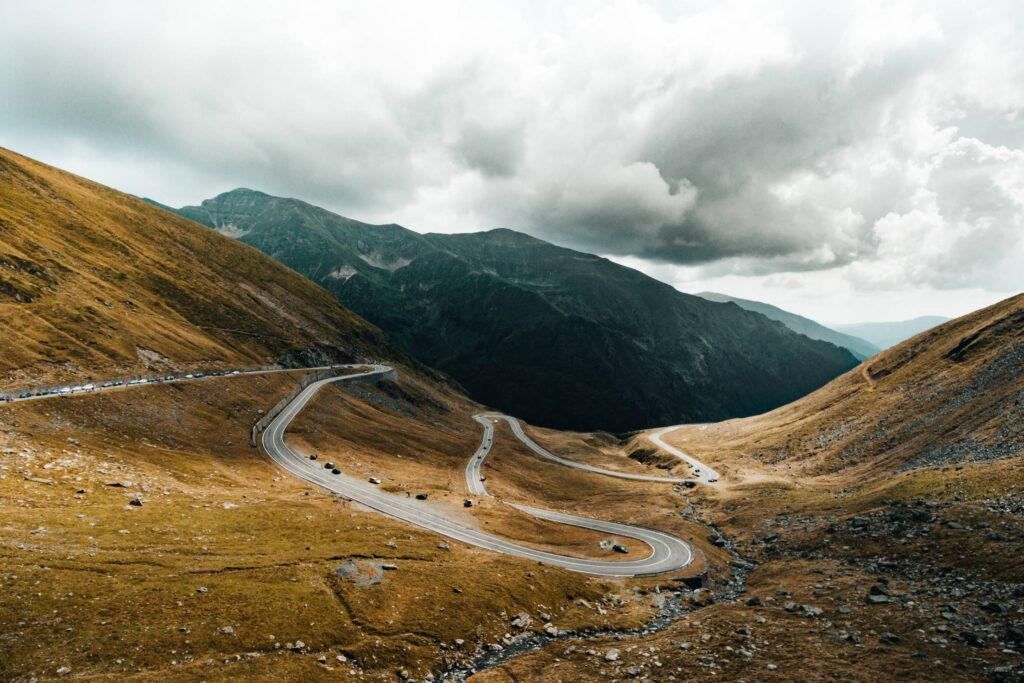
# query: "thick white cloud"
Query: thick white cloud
866,147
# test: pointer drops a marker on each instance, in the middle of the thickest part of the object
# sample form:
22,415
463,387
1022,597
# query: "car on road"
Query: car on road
335,471
312,456
712,481
328,465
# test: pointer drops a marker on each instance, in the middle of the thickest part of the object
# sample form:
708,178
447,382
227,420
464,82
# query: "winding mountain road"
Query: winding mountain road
668,553
517,429
701,471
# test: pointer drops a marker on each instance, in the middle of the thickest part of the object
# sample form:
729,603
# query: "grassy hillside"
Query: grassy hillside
95,282
951,395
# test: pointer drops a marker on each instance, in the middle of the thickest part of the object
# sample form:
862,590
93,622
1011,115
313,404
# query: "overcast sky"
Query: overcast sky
849,161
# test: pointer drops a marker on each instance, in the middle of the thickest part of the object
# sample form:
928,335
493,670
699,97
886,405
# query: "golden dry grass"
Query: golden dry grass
95,283
961,380
112,591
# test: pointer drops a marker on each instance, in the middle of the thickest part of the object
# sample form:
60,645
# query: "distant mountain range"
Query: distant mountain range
860,348
884,335
555,336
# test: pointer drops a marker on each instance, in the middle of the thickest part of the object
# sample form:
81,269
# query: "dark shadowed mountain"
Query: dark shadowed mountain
556,336
860,348
884,335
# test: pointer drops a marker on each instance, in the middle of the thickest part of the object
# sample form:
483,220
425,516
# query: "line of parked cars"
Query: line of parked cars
89,387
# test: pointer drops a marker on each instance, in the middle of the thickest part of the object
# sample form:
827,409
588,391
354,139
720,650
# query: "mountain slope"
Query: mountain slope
860,348
555,336
884,335
94,282
951,395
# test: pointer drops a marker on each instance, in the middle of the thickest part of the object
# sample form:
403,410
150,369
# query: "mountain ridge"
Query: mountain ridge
888,334
558,337
860,348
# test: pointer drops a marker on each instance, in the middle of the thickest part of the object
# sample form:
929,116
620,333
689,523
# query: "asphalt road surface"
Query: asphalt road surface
517,429
667,553
700,470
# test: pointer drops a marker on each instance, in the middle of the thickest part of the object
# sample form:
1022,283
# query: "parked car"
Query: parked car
619,548
312,456
374,480
421,496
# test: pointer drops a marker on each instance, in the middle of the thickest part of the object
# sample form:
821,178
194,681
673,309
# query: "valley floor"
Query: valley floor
144,537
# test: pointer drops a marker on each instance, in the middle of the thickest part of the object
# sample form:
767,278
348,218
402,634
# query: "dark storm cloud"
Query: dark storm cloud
788,138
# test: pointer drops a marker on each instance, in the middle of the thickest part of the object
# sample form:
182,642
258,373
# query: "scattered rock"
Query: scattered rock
611,655
362,573
811,610
522,620
973,639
